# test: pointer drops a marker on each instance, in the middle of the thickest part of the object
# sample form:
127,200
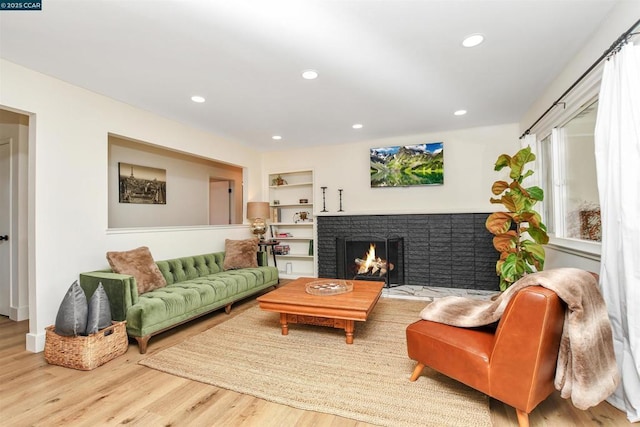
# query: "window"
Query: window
568,168
546,182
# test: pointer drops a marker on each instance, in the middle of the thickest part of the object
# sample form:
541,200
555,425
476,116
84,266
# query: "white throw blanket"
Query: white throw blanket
586,370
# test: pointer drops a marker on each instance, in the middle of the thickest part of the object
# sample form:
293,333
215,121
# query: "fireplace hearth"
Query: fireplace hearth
371,258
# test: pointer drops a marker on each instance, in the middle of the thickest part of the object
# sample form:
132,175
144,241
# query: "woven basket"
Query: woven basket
86,352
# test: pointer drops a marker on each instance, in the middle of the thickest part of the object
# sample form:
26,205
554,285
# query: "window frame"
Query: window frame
580,98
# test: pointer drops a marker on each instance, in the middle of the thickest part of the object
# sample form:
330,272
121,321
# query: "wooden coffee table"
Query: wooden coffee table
295,305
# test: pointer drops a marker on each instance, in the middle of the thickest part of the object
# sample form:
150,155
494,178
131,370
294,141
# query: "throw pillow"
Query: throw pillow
240,254
140,264
99,313
71,319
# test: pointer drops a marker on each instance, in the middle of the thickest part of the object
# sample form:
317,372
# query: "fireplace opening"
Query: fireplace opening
371,258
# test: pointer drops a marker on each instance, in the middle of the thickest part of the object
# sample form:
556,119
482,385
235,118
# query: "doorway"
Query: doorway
14,165
5,226
221,201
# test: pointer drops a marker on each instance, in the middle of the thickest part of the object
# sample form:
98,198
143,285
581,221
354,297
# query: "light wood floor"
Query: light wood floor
123,392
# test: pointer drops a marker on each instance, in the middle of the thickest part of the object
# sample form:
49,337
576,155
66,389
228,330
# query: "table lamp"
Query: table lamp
258,212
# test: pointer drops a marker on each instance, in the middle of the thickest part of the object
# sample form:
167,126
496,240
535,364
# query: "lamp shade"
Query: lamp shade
257,210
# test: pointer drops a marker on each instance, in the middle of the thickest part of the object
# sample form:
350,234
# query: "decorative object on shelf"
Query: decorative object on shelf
401,166
340,193
258,212
281,249
278,180
276,202
301,217
328,287
311,247
324,202
276,214
304,201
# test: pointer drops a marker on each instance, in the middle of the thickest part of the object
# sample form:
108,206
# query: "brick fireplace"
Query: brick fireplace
439,250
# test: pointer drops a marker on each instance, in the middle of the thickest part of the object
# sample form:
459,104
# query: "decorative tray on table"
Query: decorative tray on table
329,287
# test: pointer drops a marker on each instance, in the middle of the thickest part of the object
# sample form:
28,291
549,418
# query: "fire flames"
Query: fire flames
372,265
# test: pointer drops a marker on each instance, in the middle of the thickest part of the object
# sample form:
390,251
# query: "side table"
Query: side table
265,244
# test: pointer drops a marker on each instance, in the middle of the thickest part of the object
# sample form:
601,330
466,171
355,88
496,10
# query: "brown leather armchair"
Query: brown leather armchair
514,363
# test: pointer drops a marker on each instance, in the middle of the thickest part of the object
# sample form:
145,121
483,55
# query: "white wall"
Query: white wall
621,18
68,204
469,157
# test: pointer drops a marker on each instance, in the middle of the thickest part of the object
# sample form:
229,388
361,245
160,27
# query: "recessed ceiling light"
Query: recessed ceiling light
472,40
276,137
198,99
309,74
460,113
357,126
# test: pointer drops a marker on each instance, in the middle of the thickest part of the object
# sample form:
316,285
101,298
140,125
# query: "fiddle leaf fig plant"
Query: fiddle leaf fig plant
519,232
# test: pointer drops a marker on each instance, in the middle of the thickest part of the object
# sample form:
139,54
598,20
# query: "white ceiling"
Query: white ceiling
395,66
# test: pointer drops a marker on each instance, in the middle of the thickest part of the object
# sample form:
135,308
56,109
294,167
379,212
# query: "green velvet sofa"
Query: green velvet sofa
196,285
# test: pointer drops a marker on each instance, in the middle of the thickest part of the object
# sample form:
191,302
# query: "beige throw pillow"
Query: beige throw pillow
240,254
140,264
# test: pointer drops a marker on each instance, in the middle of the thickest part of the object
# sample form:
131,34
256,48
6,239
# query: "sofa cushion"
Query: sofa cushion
140,264
71,319
99,313
188,268
240,254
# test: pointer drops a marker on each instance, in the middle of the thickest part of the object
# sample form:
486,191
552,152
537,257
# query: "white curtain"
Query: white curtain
617,146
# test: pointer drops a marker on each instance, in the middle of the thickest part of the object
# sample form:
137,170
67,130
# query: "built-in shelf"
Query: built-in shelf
279,239
295,256
286,214
294,205
296,184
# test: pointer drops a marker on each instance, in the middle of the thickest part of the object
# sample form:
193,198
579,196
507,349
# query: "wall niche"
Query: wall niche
188,197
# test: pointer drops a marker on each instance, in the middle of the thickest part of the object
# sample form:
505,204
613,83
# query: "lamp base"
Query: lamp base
259,228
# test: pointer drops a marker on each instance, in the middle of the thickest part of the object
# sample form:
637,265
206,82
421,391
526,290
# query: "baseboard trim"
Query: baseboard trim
19,314
35,342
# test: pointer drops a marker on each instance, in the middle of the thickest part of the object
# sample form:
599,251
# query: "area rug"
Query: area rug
313,368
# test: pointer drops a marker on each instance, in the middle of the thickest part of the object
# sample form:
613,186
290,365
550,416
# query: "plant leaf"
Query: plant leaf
506,242
499,186
503,160
513,269
536,193
518,161
534,249
498,222
519,201
508,202
539,235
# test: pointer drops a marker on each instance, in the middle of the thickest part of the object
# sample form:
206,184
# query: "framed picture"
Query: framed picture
402,166
142,184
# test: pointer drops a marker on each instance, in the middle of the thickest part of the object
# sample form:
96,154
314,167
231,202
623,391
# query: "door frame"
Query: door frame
11,274
21,237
